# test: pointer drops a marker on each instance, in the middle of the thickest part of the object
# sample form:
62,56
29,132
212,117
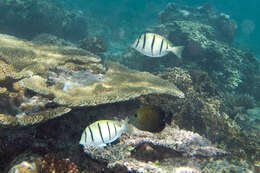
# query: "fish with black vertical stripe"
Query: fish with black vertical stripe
154,45
102,132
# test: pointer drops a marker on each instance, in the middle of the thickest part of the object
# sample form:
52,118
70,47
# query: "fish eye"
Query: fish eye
135,115
100,77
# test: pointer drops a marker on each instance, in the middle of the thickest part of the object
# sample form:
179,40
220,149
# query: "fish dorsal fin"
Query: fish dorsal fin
159,36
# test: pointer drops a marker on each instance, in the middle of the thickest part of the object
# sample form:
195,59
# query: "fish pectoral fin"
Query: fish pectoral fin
177,50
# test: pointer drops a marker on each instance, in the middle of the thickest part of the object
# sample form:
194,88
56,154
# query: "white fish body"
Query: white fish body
186,169
103,132
154,45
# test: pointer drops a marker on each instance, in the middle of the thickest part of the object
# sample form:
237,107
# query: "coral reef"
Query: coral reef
203,111
32,163
141,151
49,39
26,163
190,121
207,36
41,82
120,84
237,103
13,143
222,62
146,146
226,166
55,18
224,26
52,164
250,120
94,44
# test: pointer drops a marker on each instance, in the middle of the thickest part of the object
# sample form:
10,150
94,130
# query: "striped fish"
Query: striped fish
102,132
154,45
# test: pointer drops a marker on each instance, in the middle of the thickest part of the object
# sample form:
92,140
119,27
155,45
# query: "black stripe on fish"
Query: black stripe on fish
109,131
138,40
167,46
85,135
144,41
115,129
152,44
99,128
91,134
161,47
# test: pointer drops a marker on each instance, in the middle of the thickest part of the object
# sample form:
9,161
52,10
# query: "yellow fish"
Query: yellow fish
149,118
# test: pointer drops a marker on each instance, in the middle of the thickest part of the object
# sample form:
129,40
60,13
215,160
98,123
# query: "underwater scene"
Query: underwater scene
129,86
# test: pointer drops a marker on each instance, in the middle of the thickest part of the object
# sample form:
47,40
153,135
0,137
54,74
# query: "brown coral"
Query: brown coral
5,69
52,164
31,163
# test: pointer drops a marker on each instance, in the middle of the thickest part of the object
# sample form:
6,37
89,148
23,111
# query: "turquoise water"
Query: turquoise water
143,13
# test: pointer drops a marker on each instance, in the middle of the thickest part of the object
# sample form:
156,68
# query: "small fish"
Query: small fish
103,132
154,45
149,118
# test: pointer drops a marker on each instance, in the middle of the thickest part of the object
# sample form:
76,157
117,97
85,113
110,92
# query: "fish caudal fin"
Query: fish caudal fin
127,128
177,50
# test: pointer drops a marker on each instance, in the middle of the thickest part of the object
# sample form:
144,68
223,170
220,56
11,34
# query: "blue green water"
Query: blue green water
142,13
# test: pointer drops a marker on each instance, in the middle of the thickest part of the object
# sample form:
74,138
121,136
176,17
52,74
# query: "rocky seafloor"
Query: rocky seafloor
50,90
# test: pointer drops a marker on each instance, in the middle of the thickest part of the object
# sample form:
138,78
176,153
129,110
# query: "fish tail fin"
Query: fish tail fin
126,126
177,50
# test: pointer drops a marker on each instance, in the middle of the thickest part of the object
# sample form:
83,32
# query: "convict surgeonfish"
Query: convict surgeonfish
103,132
154,45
